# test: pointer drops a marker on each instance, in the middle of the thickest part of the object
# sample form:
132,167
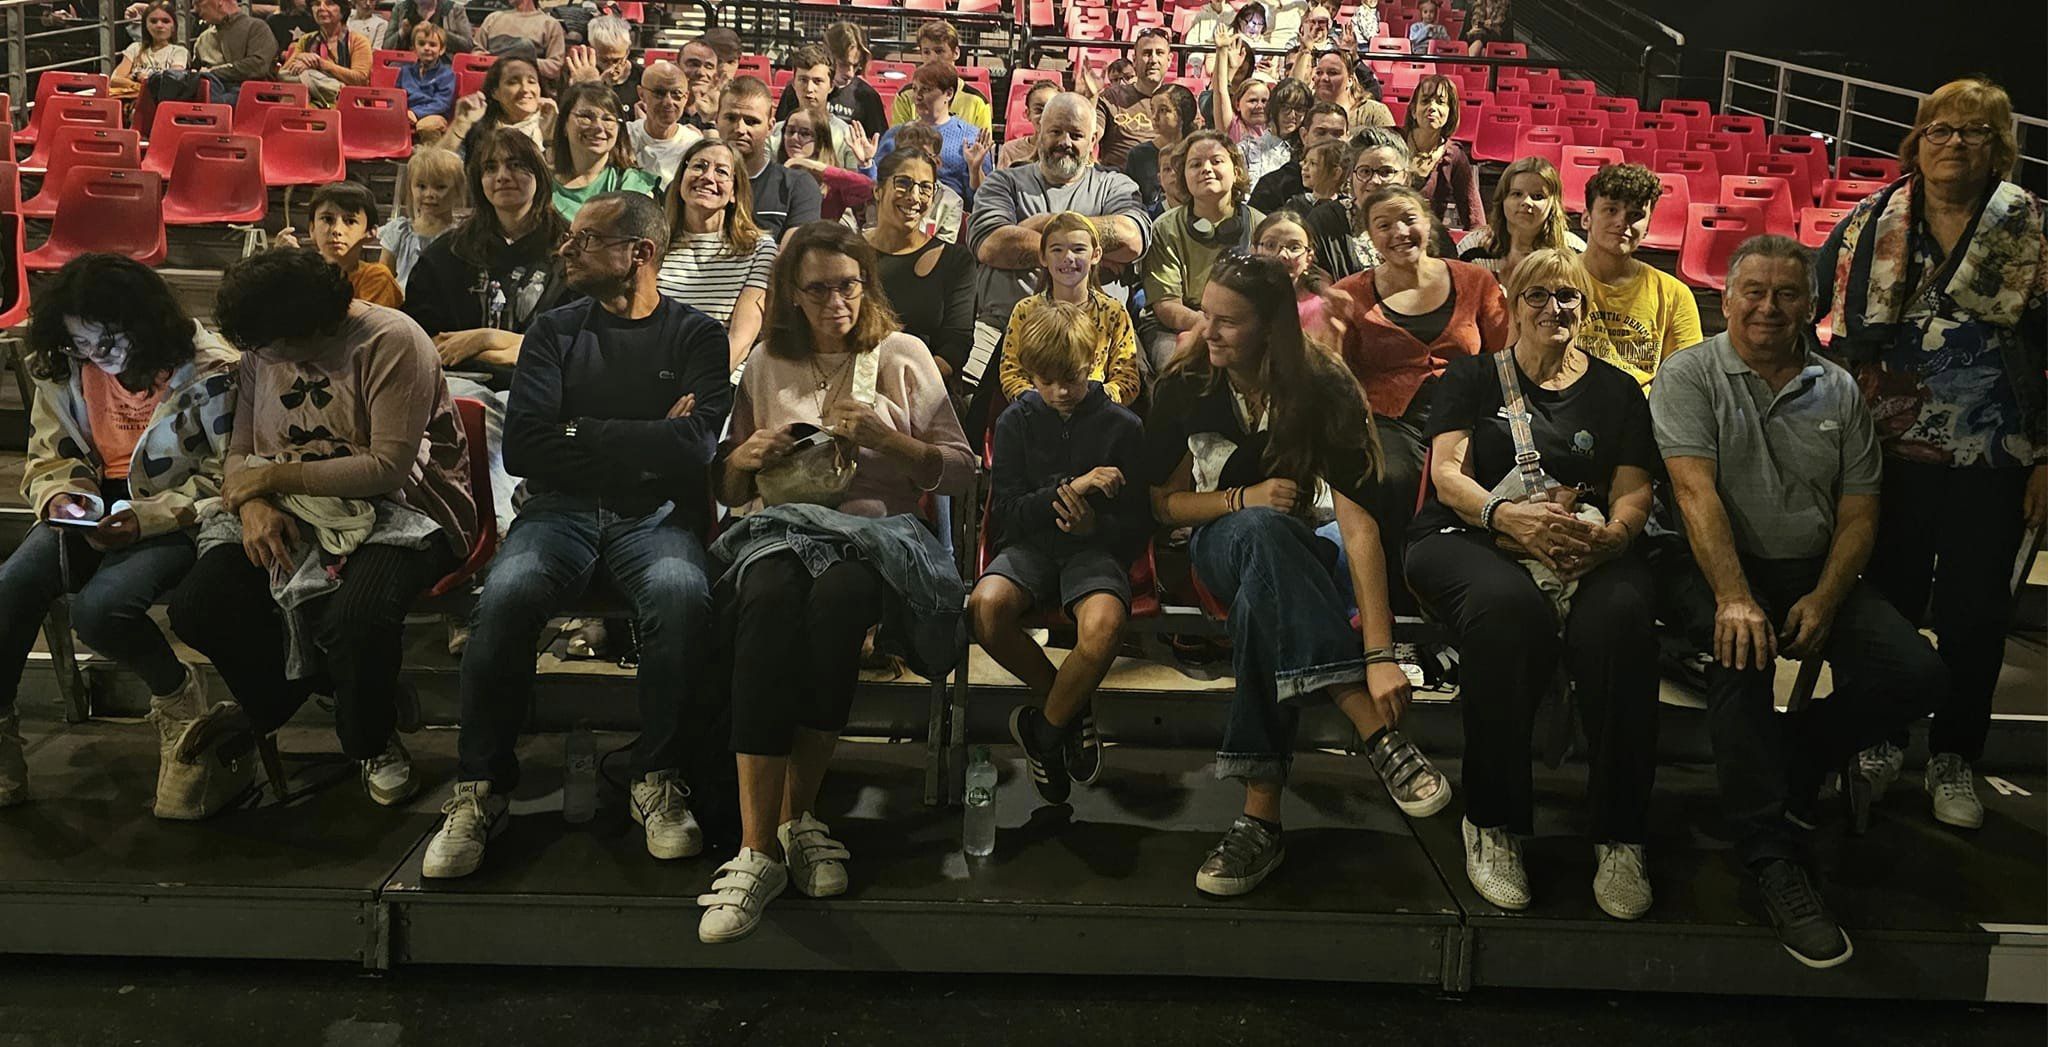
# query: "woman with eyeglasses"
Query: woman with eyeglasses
718,260
127,432
806,143
591,155
1934,289
841,426
1533,566
930,281
966,152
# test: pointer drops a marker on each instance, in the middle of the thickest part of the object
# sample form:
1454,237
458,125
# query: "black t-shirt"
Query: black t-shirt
289,26
1142,167
1189,417
856,103
1426,327
1584,431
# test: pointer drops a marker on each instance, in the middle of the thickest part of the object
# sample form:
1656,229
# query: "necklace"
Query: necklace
827,377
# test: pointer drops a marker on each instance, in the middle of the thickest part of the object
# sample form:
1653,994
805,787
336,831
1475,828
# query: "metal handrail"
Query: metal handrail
109,32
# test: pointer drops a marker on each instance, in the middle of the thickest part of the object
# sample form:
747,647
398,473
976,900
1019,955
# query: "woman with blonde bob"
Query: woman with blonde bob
1526,214
1531,575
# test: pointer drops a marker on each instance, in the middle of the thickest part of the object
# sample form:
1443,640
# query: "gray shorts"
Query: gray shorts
1059,581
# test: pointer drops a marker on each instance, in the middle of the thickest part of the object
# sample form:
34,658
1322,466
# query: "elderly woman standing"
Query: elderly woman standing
1934,290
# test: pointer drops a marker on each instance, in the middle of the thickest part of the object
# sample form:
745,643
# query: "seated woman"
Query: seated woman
346,496
1438,166
1404,321
718,261
1173,119
511,98
590,154
1529,575
1187,240
930,281
805,143
330,57
947,212
966,152
1378,157
1256,436
834,363
126,433
1323,209
475,289
1069,252
157,52
1525,215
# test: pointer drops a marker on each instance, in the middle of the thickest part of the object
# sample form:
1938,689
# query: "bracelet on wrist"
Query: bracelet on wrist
1380,656
1486,514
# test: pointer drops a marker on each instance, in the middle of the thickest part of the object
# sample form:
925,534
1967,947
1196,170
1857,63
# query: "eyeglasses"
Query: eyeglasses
673,94
577,243
1943,134
798,132
848,291
1380,173
911,186
703,168
1568,297
1284,250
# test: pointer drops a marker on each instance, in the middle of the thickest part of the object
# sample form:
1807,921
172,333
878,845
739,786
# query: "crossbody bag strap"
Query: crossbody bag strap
867,367
1527,461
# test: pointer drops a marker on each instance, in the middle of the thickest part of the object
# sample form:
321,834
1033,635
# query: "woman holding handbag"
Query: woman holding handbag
1523,443
840,427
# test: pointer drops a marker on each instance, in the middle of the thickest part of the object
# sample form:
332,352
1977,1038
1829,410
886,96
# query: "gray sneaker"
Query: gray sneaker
388,776
1953,788
1248,854
1803,923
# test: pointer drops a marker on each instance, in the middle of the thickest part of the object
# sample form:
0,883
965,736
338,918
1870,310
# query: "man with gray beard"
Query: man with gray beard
1015,203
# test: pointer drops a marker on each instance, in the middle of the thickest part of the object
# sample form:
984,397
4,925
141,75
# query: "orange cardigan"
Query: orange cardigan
356,73
1391,363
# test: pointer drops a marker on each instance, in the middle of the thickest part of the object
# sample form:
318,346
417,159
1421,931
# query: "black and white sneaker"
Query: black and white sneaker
1804,926
1084,750
1248,854
1043,753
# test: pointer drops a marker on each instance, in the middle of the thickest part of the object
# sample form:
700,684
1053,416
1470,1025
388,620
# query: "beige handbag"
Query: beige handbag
821,470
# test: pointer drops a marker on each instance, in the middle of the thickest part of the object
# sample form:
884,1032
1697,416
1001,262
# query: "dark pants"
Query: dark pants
1402,451
224,609
1509,645
110,612
558,547
1952,535
796,648
1885,675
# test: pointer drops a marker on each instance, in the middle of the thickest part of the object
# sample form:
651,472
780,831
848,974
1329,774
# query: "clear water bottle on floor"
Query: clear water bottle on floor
579,776
978,828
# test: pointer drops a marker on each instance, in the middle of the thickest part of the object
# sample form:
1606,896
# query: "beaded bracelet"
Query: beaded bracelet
1486,514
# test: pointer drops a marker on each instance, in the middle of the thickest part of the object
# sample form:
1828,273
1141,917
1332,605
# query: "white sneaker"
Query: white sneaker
745,886
1622,883
1954,790
470,818
817,862
1493,862
388,775
1880,765
13,762
659,804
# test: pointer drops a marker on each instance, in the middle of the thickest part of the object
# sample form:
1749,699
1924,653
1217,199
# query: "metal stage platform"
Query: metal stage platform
1101,887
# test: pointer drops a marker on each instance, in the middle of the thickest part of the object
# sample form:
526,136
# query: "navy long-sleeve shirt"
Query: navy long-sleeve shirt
616,379
1036,451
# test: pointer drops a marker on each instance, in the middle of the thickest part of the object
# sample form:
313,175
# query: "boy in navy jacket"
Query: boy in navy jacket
429,83
1069,513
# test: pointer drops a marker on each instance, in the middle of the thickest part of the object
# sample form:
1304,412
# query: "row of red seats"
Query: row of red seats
368,123
469,69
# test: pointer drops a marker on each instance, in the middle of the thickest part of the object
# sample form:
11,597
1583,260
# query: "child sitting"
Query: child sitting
1069,250
343,214
433,191
429,83
1069,513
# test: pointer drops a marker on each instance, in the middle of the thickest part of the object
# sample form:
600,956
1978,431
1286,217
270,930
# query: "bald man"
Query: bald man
660,138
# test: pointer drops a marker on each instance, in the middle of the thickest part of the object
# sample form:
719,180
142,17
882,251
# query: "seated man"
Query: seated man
614,415
783,199
248,49
1774,460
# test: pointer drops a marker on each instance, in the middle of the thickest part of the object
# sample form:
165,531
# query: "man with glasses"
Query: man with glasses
783,199
608,59
1774,460
660,138
613,420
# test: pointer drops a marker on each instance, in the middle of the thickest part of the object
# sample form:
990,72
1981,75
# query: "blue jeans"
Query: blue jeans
559,546
111,611
1290,632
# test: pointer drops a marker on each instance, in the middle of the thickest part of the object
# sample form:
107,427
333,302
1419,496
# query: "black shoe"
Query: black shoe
1804,926
1248,854
1084,749
1043,753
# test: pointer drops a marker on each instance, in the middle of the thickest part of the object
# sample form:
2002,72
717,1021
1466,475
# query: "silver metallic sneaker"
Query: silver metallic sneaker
1953,788
1248,854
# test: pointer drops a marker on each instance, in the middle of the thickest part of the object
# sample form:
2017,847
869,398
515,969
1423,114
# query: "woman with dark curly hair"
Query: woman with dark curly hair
346,495
126,432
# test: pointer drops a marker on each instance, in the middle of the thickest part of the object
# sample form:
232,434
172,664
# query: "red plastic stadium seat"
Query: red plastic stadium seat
303,147
52,84
117,211
252,109
1749,130
374,125
1810,150
1867,168
1588,127
1389,45
1791,168
1728,149
1696,112
1845,192
1397,110
976,77
756,66
175,120
659,54
10,189
1772,196
1667,220
69,111
384,66
217,178
1545,106
1542,140
1505,49
1670,128
1712,232
1498,128
1580,164
74,147
1469,116
1578,93
1815,223
1699,169
472,62
1637,147
1017,114
1621,112
470,412
1447,48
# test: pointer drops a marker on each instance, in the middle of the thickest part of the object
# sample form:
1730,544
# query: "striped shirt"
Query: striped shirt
698,271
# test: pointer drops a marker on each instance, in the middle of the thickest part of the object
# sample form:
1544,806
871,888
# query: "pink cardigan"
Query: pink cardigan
1390,363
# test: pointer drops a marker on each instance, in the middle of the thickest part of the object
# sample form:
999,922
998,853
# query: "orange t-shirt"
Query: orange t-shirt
374,283
117,416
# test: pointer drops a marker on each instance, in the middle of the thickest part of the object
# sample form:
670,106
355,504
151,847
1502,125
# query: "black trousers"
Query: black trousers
796,648
1946,542
1402,451
1509,645
224,609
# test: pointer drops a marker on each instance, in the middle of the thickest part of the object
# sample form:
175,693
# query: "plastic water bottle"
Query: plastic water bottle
978,831
579,779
